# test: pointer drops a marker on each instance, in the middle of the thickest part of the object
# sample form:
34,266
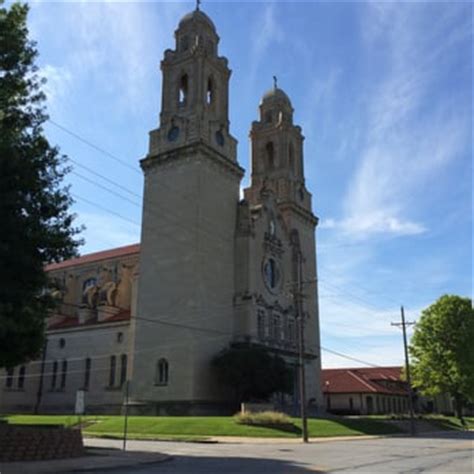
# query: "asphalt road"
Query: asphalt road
446,453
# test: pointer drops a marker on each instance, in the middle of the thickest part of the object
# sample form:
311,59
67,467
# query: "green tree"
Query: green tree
37,227
252,372
442,350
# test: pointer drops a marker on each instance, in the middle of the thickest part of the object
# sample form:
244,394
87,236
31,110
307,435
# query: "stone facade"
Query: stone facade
211,270
38,443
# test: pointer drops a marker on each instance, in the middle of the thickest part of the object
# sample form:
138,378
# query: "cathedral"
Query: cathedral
212,268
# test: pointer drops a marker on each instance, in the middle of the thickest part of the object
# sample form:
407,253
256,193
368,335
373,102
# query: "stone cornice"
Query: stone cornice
307,216
88,327
187,151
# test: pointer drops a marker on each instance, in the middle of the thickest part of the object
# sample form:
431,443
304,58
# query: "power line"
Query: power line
96,147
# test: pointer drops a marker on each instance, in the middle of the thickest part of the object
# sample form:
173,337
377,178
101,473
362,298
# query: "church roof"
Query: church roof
95,257
276,94
73,321
197,16
383,380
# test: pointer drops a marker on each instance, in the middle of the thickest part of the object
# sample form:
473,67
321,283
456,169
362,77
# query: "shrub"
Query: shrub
264,418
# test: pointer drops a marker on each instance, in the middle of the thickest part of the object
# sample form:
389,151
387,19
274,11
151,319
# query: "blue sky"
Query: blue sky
383,92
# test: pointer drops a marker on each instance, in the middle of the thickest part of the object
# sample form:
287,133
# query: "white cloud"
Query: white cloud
58,83
109,43
405,147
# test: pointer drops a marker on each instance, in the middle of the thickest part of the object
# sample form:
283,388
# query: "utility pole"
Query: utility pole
404,324
298,296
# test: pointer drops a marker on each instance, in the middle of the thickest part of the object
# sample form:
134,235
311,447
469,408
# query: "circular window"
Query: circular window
272,274
62,342
173,134
220,138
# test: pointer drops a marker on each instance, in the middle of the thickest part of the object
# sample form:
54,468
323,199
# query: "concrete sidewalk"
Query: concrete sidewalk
95,458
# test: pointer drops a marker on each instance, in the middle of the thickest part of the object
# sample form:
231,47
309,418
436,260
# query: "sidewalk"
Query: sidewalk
95,458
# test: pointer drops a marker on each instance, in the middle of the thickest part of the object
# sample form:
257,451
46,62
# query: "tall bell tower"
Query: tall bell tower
277,191
186,275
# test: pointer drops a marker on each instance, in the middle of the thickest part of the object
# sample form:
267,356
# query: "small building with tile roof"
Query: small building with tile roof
364,391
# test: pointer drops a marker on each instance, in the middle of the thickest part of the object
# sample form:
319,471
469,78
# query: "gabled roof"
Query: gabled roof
95,257
384,380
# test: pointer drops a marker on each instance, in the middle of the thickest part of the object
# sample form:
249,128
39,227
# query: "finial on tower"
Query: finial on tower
275,81
198,3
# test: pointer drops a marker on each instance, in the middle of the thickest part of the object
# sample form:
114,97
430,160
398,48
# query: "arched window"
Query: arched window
9,380
184,43
64,374
21,377
270,155
183,90
261,324
87,373
291,330
123,369
113,364
162,372
277,327
268,117
54,375
210,92
291,158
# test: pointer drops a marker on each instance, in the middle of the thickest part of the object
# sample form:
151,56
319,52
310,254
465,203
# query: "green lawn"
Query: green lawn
147,427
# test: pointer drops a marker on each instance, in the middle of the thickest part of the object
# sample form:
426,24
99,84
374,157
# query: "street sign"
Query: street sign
80,407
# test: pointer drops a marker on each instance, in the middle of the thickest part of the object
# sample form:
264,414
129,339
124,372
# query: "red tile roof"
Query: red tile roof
72,321
386,380
95,257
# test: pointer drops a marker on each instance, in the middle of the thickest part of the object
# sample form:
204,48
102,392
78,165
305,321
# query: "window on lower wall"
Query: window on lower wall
64,374
162,372
123,369
54,375
87,373
113,365
9,379
21,377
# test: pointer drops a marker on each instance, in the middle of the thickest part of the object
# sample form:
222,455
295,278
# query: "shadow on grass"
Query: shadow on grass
283,427
367,426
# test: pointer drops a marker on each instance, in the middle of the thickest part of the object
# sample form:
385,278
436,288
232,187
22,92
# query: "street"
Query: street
446,452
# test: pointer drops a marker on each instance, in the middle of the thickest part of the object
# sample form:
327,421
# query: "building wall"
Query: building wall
340,403
98,344
186,276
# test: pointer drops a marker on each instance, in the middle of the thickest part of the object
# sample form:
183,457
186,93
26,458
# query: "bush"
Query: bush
264,418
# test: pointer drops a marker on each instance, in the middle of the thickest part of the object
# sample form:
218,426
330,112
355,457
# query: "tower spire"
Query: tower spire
275,82
198,4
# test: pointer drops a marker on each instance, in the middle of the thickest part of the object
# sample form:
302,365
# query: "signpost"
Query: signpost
80,406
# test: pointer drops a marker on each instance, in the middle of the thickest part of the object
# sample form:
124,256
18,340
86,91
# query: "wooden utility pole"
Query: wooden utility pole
404,324
298,296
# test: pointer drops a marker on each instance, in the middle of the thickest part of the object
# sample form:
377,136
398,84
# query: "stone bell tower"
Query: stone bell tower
277,191
186,279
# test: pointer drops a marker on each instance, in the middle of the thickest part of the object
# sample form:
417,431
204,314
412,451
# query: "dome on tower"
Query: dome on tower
196,16
275,95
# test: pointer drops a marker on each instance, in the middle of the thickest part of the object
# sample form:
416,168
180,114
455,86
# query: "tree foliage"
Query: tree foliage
442,349
37,227
252,372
